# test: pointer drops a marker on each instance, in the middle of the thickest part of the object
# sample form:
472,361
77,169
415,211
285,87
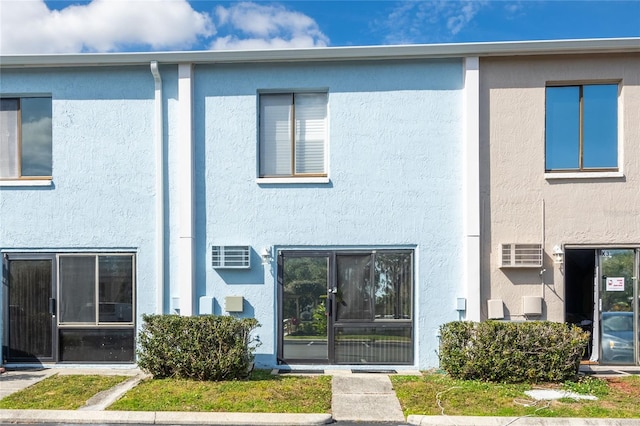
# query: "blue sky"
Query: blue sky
39,26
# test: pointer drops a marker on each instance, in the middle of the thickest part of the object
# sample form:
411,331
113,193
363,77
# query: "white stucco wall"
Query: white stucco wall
519,204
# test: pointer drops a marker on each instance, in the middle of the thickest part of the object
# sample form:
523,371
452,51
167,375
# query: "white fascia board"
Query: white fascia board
418,51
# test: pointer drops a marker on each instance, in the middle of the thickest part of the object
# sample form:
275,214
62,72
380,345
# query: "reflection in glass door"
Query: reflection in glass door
618,306
373,322
304,308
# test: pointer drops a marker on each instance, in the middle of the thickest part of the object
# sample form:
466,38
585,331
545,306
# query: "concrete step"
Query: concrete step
364,397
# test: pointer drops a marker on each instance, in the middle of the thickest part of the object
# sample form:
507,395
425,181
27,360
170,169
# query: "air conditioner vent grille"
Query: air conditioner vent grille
521,255
231,257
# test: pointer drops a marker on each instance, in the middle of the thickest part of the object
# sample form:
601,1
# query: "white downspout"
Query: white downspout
159,145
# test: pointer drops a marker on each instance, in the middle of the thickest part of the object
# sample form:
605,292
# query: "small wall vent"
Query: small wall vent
521,255
231,257
532,305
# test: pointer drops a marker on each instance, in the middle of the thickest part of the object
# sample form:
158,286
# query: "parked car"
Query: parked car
617,338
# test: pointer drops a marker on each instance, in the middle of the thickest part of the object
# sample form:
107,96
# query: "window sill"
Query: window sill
26,182
583,175
292,180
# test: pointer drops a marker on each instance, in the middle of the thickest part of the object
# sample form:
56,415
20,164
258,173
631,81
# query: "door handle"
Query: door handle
52,306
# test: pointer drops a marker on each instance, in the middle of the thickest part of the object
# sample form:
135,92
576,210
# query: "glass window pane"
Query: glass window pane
97,345
304,319
275,135
36,136
562,133
77,289
393,279
115,288
600,126
354,296
311,114
373,345
9,164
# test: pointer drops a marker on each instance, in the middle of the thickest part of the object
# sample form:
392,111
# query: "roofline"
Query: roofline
362,53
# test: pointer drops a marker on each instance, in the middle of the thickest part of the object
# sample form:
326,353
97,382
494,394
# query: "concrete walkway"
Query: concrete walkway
364,397
13,381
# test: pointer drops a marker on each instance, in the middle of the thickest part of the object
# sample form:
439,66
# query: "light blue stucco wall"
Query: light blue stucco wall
395,169
102,193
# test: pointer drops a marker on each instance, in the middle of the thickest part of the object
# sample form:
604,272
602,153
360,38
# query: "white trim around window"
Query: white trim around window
26,182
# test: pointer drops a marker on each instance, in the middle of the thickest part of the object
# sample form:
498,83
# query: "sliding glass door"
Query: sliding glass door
343,307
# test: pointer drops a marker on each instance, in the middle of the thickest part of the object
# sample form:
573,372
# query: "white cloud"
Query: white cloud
38,161
430,21
29,26
254,26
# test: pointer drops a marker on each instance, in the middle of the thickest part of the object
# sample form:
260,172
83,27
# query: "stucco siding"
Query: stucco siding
395,171
520,204
102,191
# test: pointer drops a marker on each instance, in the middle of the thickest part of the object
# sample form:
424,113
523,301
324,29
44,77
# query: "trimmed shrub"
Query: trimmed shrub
512,352
206,347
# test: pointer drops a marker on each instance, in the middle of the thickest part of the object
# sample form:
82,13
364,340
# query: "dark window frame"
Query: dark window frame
581,168
19,142
97,294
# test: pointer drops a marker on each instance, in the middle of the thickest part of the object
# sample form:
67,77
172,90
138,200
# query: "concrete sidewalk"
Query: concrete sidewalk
357,397
364,397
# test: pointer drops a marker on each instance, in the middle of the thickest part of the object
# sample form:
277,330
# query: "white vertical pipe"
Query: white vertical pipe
186,189
159,146
471,184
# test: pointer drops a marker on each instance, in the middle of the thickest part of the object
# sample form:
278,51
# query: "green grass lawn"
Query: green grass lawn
60,392
263,393
434,393
430,394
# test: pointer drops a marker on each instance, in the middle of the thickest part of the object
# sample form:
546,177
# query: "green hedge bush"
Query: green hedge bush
512,352
206,347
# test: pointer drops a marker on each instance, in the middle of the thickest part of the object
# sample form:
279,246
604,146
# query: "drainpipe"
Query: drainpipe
159,144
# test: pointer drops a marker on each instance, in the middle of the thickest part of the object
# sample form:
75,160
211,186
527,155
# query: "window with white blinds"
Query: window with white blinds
293,134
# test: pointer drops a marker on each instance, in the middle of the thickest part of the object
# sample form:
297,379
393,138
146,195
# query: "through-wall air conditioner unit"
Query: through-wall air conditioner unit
231,257
521,255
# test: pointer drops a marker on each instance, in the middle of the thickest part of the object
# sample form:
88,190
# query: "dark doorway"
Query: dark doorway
580,265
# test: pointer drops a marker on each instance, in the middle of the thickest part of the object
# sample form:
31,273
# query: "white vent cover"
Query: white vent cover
231,257
521,255
495,309
532,305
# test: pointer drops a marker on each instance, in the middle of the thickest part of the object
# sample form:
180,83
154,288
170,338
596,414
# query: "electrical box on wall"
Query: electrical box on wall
234,303
175,303
495,309
206,305
532,305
